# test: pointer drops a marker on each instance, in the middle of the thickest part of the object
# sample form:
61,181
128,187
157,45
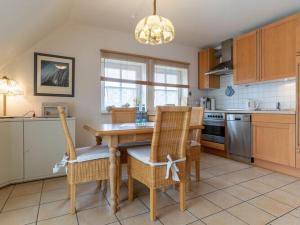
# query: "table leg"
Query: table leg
113,175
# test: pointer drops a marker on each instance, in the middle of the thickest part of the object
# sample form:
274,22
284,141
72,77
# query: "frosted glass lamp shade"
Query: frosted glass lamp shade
154,30
9,87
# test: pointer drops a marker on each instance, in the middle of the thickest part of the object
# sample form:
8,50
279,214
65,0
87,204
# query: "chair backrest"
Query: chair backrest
170,133
123,115
70,145
197,115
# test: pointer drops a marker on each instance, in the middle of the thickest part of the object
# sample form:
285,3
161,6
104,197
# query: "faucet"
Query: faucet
278,106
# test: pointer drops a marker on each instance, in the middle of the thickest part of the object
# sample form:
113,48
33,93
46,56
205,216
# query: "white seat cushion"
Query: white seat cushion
92,153
141,153
194,144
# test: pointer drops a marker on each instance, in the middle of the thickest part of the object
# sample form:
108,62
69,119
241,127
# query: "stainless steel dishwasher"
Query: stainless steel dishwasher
238,137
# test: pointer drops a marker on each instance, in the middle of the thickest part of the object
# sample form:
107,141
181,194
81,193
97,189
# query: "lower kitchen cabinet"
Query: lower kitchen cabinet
274,138
11,151
298,159
44,145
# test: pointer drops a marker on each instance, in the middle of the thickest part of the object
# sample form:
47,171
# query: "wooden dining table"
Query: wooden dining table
116,134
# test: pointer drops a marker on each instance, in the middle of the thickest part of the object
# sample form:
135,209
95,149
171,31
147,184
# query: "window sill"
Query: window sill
105,113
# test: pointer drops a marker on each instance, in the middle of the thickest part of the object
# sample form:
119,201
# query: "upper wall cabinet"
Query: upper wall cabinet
268,53
278,44
245,58
298,35
206,61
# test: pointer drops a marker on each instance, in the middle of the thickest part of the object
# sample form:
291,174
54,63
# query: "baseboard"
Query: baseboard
277,167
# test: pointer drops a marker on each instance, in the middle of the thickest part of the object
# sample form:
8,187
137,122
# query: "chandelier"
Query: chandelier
154,29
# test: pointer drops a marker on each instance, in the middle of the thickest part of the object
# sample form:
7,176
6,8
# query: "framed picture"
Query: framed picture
54,75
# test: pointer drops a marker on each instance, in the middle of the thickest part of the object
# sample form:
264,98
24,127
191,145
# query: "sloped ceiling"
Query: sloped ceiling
197,22
25,22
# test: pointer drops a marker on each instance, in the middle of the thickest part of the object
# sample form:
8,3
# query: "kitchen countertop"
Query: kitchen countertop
284,111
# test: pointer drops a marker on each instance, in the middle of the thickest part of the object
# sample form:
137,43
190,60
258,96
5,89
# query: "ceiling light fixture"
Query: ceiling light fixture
154,29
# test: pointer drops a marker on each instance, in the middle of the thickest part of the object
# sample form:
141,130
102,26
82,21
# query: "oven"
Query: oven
214,130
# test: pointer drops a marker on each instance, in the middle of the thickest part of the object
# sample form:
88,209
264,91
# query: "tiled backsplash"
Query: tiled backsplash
267,94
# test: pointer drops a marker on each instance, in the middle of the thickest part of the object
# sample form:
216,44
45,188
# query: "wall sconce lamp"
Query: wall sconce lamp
8,87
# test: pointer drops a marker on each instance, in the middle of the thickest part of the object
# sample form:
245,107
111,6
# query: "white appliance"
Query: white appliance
213,104
49,109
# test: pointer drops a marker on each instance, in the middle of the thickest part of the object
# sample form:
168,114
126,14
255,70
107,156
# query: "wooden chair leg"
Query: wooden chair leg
119,180
73,197
103,187
130,182
99,184
182,195
188,175
69,191
152,204
197,168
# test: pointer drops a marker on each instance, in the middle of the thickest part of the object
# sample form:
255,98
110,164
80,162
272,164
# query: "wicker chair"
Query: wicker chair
84,164
125,115
148,164
193,153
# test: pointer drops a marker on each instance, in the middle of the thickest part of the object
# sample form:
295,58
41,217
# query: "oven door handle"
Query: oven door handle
213,123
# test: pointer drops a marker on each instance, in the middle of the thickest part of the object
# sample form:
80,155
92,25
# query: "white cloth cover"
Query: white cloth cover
85,154
142,153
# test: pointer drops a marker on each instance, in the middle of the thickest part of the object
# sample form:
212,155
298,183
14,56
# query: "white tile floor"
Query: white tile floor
229,193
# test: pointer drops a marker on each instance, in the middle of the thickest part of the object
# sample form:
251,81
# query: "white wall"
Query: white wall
84,43
267,94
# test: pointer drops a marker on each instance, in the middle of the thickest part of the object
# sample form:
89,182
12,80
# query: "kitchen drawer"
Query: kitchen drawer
274,118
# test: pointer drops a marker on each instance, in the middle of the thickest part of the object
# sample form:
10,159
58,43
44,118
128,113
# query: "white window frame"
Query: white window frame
150,71
102,105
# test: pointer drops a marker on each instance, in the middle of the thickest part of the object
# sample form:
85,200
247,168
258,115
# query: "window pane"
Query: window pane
126,69
172,97
128,74
164,97
172,78
112,84
112,97
159,77
119,94
173,75
184,96
112,72
159,98
128,96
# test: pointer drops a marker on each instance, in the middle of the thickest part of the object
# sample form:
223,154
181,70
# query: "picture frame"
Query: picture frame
54,75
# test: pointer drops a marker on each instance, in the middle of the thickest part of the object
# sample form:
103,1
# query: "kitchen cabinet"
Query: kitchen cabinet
267,53
298,112
11,151
298,35
278,44
44,145
298,159
206,61
246,58
273,138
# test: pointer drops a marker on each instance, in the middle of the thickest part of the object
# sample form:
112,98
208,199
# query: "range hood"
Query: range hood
224,57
